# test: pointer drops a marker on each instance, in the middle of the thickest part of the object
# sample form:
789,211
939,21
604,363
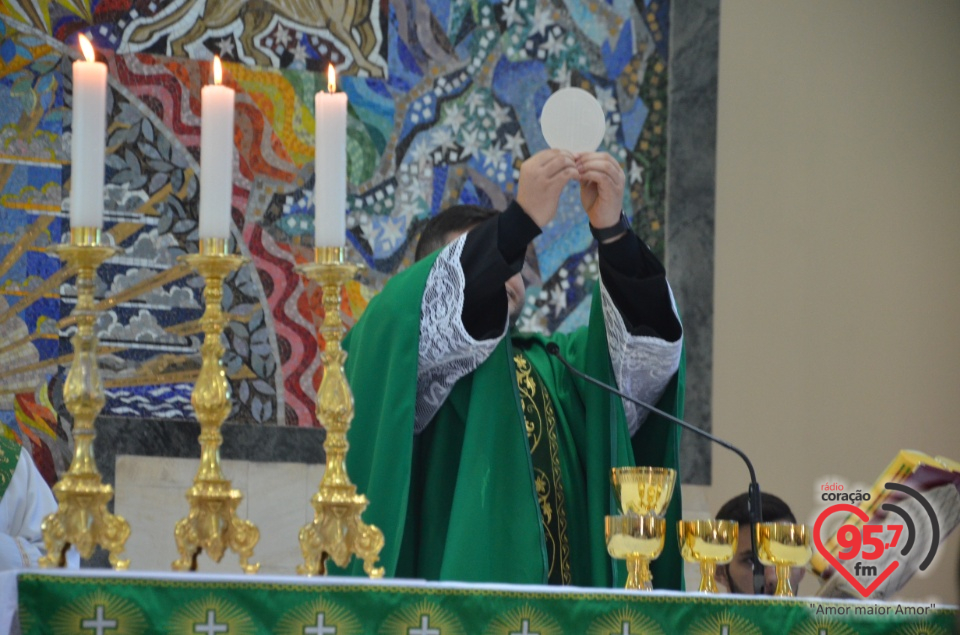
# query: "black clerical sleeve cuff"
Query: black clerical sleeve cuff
493,252
515,230
630,256
637,283
485,268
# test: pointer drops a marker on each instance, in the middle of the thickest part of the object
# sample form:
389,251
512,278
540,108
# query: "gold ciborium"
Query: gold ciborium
638,540
212,522
783,545
708,542
337,530
82,519
643,490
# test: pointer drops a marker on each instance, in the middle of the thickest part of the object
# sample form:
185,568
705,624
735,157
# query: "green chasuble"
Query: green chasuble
9,457
459,501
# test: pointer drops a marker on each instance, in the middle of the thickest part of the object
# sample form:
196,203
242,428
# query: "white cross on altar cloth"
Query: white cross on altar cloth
99,624
625,628
424,627
320,628
211,627
525,625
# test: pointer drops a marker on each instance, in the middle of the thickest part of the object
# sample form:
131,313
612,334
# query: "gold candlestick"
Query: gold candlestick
212,523
337,530
82,519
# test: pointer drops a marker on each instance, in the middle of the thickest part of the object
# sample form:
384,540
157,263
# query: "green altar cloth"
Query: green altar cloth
105,602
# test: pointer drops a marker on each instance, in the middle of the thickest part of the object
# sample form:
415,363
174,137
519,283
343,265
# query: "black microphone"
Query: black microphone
753,491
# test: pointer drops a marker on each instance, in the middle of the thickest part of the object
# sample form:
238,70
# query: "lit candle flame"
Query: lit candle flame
87,48
331,79
217,70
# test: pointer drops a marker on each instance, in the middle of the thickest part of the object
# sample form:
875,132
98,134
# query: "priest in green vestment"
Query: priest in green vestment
484,458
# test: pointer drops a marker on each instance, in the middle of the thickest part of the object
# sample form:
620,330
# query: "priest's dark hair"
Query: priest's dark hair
440,229
772,507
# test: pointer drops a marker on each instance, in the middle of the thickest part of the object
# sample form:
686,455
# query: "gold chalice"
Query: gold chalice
709,542
643,490
783,545
638,540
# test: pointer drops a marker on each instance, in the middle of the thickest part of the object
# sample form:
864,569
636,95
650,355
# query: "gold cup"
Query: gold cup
783,545
708,542
638,540
643,490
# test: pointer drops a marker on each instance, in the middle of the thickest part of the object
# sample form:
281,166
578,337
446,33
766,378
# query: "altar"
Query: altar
103,602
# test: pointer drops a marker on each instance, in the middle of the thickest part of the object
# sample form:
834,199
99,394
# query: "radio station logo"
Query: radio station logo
863,549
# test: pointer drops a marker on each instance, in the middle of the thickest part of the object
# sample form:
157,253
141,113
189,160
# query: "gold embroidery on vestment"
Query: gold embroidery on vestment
539,417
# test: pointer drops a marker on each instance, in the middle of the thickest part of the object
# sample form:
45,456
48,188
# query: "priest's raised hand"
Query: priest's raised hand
601,191
542,179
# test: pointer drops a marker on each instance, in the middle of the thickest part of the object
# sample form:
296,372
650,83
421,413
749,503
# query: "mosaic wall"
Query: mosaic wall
444,104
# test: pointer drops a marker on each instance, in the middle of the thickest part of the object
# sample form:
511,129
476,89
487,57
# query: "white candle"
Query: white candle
330,164
216,157
88,143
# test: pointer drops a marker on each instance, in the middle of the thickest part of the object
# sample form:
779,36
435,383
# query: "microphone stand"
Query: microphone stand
753,491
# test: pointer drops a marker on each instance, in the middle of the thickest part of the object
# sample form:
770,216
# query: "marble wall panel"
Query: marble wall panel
150,495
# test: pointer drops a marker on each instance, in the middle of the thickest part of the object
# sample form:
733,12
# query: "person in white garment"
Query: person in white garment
25,500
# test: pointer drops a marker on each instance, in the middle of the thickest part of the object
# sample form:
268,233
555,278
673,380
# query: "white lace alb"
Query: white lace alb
447,351
642,365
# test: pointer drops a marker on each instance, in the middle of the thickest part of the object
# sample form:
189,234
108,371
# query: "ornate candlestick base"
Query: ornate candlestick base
212,523
82,519
336,531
